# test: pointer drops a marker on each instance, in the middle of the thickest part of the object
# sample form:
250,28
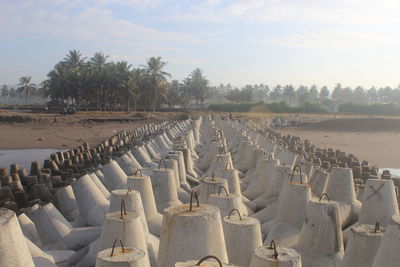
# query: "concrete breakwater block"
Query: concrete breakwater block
242,237
115,177
13,248
142,184
191,231
209,186
128,227
362,245
164,187
121,257
275,256
56,232
92,204
321,242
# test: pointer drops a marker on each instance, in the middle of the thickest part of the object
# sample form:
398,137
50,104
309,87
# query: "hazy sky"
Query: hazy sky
234,41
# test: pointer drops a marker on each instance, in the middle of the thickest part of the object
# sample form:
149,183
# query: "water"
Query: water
24,157
394,172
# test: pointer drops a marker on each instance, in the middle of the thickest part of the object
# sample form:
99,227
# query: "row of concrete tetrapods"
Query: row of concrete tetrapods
250,199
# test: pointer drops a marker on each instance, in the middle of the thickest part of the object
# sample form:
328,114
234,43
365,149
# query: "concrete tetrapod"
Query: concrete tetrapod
272,194
319,182
273,256
258,185
66,202
340,188
165,192
133,160
13,248
115,177
242,237
128,227
56,232
127,164
321,241
29,229
133,203
178,156
226,202
153,154
210,185
362,244
100,185
388,251
188,161
191,231
291,213
49,258
92,204
208,261
121,257
142,158
142,183
173,165
379,202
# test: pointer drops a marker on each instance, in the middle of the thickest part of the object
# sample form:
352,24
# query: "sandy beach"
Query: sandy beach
376,140
64,132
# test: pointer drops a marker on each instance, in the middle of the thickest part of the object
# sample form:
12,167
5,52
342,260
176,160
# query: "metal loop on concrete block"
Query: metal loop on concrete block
128,191
238,212
272,245
326,195
219,157
230,166
377,226
223,187
193,194
123,208
209,257
113,247
165,164
298,169
138,170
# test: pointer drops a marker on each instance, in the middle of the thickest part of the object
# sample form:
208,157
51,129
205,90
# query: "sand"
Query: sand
371,139
41,130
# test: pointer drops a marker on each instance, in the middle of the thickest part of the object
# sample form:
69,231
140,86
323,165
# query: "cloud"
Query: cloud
334,39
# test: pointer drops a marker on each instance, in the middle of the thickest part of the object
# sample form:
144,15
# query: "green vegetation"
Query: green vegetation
99,84
375,109
276,107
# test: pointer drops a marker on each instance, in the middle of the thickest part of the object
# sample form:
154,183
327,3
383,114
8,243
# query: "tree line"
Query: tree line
100,84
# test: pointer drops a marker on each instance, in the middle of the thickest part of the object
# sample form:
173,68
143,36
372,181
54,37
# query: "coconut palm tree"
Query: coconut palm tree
156,77
26,87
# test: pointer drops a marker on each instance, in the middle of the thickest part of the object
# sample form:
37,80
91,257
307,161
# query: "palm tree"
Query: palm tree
289,93
156,77
74,58
26,87
199,85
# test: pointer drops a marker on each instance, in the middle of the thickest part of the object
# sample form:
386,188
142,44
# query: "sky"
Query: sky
354,42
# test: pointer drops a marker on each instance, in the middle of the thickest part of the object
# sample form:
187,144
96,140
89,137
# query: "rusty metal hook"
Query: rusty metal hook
193,193
165,164
229,216
377,226
298,169
272,245
223,187
139,170
123,208
209,257
113,247
219,157
230,166
326,195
